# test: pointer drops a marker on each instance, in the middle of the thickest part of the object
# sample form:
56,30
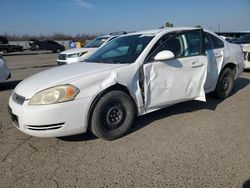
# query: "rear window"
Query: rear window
208,42
217,43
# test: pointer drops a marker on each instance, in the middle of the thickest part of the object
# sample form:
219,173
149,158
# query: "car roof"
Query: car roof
165,30
114,34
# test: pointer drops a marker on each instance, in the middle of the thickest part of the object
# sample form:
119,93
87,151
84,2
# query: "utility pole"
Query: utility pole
218,27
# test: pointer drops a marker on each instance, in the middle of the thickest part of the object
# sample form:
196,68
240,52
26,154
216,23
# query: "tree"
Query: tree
167,24
198,26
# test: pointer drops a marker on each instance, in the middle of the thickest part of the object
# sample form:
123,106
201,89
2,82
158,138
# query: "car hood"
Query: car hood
78,50
60,75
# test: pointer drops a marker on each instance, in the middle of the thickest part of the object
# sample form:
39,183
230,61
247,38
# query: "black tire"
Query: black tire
58,51
225,84
112,116
37,47
5,52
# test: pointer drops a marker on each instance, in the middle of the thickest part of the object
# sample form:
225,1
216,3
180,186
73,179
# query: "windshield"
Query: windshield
97,42
121,50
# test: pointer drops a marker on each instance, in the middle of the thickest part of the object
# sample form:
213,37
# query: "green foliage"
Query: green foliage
167,24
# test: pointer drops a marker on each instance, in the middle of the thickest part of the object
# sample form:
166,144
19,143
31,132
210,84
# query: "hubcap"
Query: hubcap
225,83
114,116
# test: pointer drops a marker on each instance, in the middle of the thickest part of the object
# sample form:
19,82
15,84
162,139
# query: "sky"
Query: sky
105,16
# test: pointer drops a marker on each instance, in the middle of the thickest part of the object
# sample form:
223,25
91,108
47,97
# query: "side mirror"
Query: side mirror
164,55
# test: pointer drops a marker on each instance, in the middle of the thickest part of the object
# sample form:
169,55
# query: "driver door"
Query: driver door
181,78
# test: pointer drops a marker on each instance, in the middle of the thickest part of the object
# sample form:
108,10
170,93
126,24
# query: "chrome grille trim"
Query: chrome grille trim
45,127
62,57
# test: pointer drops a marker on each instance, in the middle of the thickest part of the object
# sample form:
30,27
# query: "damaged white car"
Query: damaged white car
130,76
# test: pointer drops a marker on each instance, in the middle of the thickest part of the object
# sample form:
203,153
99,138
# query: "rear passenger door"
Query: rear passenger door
179,79
215,53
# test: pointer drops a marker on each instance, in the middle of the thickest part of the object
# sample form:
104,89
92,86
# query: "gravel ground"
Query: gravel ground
192,144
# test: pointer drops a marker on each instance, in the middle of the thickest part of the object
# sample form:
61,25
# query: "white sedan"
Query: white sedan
130,76
79,54
246,50
4,71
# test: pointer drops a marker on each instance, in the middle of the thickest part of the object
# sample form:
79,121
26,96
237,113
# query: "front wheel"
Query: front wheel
57,51
112,116
225,84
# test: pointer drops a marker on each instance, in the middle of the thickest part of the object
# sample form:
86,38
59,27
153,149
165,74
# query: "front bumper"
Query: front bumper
55,120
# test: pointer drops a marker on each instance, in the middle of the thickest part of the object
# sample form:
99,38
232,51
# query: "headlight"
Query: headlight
76,54
54,95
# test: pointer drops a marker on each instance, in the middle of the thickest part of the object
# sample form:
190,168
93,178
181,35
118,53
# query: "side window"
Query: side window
158,44
216,42
174,44
183,45
193,43
208,42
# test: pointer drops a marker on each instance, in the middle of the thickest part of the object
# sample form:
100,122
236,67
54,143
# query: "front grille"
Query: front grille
18,98
245,55
62,56
45,127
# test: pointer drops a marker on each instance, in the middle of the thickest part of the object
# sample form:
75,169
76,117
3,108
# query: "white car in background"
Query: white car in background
79,54
132,75
4,71
246,50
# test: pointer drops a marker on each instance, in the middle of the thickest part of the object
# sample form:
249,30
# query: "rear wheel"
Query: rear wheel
225,84
112,116
37,47
5,52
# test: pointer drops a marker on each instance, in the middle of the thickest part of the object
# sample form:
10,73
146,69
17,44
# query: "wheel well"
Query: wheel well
232,66
115,87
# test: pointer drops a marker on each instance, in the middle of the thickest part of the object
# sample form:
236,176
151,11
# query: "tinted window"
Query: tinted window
208,42
52,42
124,49
193,43
183,45
3,40
217,43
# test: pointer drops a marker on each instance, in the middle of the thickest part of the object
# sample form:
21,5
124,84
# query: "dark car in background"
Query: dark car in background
242,40
5,47
46,45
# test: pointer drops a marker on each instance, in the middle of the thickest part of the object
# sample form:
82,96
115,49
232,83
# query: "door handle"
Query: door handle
196,64
218,55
